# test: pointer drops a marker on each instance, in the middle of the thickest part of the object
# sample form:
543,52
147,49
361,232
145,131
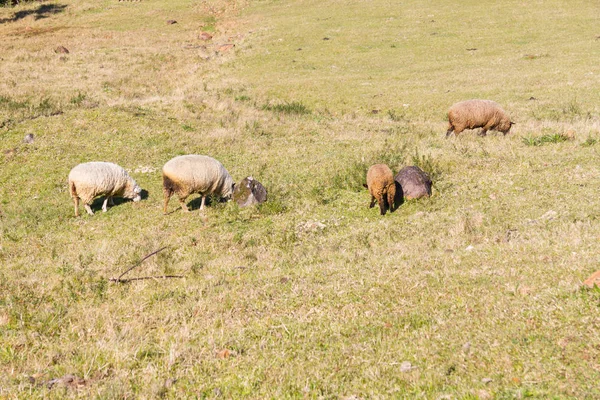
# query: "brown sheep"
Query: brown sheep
471,114
380,182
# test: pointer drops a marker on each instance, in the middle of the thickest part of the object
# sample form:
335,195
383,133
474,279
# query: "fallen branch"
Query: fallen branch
143,278
136,265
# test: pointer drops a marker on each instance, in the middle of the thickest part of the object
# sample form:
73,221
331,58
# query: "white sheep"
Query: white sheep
194,173
92,179
471,114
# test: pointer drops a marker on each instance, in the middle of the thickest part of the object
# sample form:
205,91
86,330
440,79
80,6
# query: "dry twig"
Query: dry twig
120,280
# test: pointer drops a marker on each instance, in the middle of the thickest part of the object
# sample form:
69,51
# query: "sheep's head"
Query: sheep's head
227,192
138,193
133,191
505,125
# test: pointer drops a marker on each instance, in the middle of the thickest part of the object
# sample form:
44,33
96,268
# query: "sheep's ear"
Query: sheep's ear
512,123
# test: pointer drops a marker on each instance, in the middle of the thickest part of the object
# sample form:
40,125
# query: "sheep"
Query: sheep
413,182
471,114
380,182
92,179
194,173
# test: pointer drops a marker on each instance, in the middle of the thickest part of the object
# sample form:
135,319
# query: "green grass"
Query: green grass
311,294
544,139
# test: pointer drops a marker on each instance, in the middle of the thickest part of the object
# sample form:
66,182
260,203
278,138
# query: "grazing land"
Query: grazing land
473,293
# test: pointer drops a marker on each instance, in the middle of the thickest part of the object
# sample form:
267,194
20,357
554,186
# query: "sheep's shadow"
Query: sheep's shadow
43,11
97,203
399,198
209,202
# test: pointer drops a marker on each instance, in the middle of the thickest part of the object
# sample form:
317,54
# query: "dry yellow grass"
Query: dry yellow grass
473,293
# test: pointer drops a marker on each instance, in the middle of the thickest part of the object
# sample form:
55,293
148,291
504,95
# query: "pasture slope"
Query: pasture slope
473,293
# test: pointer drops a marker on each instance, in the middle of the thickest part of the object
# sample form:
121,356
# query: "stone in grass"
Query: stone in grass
205,36
406,366
249,192
61,50
28,138
414,183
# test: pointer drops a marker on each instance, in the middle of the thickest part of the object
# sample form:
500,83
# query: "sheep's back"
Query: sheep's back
379,177
197,174
96,178
474,112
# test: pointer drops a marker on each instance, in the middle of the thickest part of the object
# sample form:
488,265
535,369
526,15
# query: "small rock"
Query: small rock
28,138
205,36
406,366
61,50
486,380
171,22
466,348
469,248
549,215
311,226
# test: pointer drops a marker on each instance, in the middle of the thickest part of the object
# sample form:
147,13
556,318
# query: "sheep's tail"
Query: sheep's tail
72,189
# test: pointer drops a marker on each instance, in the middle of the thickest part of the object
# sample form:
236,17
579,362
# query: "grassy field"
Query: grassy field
473,293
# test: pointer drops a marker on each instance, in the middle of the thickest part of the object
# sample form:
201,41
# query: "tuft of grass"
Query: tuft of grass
78,98
545,139
354,174
294,107
589,142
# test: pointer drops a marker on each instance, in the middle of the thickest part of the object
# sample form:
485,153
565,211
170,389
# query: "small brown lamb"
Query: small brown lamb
381,185
484,114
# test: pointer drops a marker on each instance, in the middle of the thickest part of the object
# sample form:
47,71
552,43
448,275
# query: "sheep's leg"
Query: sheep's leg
111,201
167,196
202,203
382,208
76,201
184,207
104,208
450,129
483,132
88,209
372,202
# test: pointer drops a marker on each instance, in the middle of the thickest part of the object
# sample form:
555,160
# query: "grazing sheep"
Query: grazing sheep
380,182
414,183
93,179
193,173
471,114
249,192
